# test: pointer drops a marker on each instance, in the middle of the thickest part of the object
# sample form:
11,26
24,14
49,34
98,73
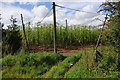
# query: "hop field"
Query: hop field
70,35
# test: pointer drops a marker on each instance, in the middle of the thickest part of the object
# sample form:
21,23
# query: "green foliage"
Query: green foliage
38,59
11,38
9,61
113,8
73,35
29,65
51,65
60,69
115,37
79,70
107,67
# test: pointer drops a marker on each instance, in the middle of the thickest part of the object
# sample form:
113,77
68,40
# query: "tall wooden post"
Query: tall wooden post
98,41
66,32
24,32
66,24
54,19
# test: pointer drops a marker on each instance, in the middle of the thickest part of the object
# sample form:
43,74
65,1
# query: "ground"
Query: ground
66,51
80,64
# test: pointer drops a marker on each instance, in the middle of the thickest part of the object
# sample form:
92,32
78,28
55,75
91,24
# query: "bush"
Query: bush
9,61
108,66
114,38
32,64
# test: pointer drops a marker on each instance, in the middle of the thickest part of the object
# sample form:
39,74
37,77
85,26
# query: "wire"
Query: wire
77,10
46,15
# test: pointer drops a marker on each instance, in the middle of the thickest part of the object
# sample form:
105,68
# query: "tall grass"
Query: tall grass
51,65
72,35
60,69
26,65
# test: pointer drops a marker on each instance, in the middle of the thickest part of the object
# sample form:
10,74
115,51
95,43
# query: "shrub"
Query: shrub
9,61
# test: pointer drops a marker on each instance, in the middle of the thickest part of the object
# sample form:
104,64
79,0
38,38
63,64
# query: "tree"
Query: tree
113,9
11,37
1,26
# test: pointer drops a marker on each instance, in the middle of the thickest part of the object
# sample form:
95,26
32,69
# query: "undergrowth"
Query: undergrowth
28,65
51,65
59,70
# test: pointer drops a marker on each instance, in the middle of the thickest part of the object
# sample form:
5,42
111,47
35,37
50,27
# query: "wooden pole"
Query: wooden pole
54,19
98,41
66,32
24,32
97,53
66,25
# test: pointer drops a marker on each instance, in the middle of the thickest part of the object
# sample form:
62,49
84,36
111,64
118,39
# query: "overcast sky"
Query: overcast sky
36,11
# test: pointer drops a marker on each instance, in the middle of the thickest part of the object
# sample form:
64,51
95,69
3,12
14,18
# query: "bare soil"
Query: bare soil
66,51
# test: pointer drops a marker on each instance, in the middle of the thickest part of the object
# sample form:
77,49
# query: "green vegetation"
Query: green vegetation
60,69
86,67
73,35
28,65
25,64
11,38
113,8
81,68
51,65
107,67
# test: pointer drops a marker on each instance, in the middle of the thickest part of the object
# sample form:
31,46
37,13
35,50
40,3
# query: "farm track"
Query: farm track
68,51
60,51
70,67
45,72
67,69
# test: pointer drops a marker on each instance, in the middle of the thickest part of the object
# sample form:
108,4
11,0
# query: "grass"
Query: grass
106,68
31,64
60,69
51,65
80,70
86,67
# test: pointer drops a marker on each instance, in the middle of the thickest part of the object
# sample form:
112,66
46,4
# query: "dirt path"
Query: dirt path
65,52
70,67
42,49
47,71
68,52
